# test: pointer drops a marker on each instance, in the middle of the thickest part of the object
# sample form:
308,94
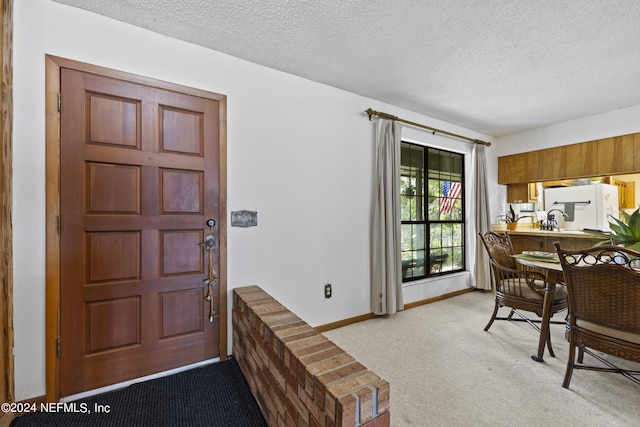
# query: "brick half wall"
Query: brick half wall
297,376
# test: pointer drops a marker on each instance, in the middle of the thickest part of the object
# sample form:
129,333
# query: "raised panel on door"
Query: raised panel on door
119,315
138,180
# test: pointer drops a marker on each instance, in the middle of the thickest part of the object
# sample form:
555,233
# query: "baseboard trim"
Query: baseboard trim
344,322
363,317
438,298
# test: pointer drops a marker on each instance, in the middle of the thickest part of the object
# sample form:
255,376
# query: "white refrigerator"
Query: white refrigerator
588,206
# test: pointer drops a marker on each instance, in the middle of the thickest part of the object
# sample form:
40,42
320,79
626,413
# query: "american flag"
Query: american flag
450,191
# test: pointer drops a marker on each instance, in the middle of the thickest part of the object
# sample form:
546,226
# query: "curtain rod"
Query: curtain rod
371,112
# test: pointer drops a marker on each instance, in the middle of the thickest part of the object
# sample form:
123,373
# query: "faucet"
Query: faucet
551,219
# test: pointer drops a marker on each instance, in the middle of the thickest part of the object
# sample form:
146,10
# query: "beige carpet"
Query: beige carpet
444,370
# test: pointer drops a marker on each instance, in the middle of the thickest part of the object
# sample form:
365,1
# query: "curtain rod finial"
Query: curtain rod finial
370,113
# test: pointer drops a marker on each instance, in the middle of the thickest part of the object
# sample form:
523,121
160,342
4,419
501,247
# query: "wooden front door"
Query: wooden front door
139,179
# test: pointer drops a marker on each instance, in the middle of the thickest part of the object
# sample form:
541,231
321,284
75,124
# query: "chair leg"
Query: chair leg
493,317
580,354
569,371
511,313
551,353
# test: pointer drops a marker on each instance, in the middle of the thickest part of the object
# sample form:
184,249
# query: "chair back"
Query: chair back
603,285
499,248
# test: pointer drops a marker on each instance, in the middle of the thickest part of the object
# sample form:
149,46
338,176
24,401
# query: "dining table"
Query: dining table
547,264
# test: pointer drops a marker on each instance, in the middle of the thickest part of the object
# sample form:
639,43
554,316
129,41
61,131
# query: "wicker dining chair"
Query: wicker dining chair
603,286
516,288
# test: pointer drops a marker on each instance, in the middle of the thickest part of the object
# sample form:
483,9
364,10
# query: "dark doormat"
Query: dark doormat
214,395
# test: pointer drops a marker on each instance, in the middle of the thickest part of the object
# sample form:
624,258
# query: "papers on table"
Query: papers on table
538,256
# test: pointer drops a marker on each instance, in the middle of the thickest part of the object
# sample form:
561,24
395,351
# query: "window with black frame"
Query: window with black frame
432,211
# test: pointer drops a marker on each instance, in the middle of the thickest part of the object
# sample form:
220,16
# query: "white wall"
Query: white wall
299,153
613,123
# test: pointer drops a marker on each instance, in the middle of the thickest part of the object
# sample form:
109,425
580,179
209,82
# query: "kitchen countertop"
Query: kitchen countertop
563,233
530,231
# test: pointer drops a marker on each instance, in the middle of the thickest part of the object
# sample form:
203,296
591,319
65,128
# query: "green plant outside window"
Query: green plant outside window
432,211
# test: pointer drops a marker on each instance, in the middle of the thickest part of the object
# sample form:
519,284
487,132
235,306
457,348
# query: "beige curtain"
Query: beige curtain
386,266
481,278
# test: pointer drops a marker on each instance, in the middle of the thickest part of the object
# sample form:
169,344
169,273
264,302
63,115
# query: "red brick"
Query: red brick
302,421
365,396
295,335
297,376
383,395
316,411
291,328
278,375
304,342
262,307
250,298
279,320
247,289
350,384
280,338
313,354
346,409
297,355
330,408
297,403
328,377
329,363
313,422
289,421
280,317
317,352
383,420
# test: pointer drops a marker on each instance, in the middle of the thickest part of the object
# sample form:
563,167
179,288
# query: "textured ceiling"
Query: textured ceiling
497,67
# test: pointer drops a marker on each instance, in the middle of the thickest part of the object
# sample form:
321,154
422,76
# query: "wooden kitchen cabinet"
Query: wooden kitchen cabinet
565,243
590,158
512,169
636,151
543,241
574,163
526,243
607,156
535,166
616,154
522,193
626,194
518,193
552,161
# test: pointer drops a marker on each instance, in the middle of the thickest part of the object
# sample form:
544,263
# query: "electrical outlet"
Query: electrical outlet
327,290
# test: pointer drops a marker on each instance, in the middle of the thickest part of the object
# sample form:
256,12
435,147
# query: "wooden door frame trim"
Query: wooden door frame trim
6,210
53,65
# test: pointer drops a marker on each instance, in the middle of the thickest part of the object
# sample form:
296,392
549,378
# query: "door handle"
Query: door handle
212,277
